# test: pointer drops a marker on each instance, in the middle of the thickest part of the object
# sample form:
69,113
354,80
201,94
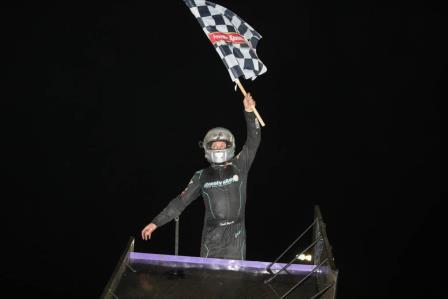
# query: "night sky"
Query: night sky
104,104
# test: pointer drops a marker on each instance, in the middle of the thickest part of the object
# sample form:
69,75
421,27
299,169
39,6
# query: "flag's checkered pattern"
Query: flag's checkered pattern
240,59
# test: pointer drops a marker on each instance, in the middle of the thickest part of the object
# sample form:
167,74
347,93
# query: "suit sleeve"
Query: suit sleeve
247,155
180,202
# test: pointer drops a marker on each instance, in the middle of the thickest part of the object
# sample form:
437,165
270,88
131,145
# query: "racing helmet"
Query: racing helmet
218,156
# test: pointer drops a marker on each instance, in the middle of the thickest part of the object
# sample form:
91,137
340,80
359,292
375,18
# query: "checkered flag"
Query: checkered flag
234,39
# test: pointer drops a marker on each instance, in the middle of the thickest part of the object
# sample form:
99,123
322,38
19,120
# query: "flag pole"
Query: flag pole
254,110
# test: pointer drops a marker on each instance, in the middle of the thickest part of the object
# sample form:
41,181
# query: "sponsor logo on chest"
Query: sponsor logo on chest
225,182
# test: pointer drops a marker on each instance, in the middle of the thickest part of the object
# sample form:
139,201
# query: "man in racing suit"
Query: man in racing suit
223,189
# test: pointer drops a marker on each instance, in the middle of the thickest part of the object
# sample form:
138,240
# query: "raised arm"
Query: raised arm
175,206
253,139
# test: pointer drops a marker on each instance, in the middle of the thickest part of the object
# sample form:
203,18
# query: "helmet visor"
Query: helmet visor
218,144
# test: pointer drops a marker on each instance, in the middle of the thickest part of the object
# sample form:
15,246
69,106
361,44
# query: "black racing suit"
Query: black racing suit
223,188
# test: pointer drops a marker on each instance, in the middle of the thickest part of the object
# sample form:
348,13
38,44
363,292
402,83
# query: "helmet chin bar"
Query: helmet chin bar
219,156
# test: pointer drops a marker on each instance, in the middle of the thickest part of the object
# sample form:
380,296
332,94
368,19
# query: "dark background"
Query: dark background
104,104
